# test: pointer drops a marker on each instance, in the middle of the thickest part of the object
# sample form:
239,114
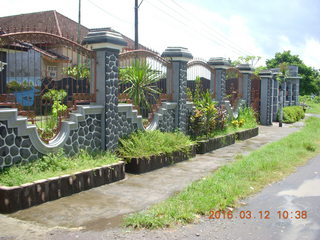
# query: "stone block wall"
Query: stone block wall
129,120
167,122
20,143
87,136
15,149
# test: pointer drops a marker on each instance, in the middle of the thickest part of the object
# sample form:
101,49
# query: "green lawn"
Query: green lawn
237,180
54,165
314,108
312,102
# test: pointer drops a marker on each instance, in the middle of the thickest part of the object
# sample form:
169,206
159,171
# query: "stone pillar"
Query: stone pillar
266,97
289,84
275,101
212,85
107,46
246,71
283,87
294,78
295,90
221,65
179,57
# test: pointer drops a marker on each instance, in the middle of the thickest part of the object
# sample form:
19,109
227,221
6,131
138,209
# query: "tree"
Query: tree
251,60
310,81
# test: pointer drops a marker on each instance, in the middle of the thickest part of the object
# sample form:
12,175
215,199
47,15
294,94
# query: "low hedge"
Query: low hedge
292,114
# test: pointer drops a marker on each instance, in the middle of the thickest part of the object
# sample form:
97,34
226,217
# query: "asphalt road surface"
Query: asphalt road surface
286,210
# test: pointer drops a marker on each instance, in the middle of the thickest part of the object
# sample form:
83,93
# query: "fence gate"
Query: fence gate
198,68
255,93
234,85
45,77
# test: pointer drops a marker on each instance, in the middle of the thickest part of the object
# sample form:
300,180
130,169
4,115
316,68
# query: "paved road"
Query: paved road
297,194
96,214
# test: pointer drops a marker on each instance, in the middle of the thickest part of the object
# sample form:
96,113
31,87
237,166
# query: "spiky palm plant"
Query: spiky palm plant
142,81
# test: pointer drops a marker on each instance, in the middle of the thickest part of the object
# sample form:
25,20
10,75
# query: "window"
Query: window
52,71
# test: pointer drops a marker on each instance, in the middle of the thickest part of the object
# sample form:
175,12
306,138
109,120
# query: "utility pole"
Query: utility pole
136,24
79,21
79,31
136,32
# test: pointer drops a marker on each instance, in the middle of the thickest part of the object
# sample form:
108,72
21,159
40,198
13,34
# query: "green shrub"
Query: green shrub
309,99
247,115
292,114
149,143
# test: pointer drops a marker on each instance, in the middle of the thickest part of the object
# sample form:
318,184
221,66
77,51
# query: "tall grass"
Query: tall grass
54,165
146,144
234,181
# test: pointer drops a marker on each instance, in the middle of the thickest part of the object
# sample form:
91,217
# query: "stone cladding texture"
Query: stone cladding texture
249,91
111,79
15,149
269,101
167,121
126,126
223,83
87,136
182,107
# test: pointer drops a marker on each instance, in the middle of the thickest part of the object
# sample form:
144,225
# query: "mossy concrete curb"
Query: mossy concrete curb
248,133
211,144
144,164
30,194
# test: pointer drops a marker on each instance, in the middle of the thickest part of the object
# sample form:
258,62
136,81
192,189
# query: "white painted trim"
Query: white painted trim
24,129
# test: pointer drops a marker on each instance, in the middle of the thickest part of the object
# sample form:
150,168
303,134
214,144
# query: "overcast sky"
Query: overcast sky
208,28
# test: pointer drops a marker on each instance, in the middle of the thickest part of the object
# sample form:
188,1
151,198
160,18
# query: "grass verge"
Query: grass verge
54,165
234,181
146,144
314,108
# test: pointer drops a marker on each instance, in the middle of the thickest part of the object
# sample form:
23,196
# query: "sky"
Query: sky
208,28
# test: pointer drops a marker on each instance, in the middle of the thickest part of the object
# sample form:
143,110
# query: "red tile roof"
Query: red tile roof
48,21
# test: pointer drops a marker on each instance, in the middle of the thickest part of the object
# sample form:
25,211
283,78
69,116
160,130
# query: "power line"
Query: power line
107,12
216,33
220,35
207,37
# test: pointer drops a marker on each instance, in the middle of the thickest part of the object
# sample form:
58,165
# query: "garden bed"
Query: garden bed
30,194
146,164
248,133
211,144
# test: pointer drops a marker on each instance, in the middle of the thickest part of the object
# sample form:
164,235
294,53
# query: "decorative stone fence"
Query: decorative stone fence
100,125
270,93
20,142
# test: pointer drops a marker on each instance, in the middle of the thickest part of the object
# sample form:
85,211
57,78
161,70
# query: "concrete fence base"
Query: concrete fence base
30,194
142,165
248,133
